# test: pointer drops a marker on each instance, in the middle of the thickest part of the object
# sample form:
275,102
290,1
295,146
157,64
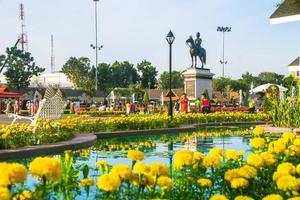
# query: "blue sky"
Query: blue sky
135,30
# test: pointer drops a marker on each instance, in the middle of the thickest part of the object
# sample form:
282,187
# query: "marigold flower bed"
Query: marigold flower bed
48,131
271,171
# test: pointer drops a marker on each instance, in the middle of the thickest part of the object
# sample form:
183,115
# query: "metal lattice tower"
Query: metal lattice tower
23,35
52,55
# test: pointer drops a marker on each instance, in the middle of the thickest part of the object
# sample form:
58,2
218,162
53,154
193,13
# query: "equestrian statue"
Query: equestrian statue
196,50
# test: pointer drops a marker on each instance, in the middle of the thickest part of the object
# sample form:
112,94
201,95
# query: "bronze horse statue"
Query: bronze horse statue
196,52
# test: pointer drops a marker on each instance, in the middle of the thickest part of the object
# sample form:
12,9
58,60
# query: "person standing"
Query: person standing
7,109
197,105
127,108
205,104
72,110
16,107
184,104
177,106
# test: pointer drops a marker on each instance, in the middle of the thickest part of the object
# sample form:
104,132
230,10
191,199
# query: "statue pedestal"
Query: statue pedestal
196,80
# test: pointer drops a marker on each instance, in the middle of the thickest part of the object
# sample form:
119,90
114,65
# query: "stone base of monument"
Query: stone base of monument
196,80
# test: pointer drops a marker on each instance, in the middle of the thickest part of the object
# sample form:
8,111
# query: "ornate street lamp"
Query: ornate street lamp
170,39
223,30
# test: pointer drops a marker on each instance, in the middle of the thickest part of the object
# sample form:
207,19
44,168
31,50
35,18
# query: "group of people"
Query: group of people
129,107
15,106
201,105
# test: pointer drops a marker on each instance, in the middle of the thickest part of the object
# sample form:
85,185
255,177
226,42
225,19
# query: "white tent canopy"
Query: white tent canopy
264,88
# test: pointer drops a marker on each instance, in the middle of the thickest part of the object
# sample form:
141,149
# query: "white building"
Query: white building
56,79
294,67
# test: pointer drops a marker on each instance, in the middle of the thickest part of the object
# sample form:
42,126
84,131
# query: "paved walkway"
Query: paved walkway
4,119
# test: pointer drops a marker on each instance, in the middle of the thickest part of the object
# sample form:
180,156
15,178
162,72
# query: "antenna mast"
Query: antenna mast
52,56
23,35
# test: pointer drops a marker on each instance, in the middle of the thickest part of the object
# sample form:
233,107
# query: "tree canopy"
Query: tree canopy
80,73
148,74
124,74
19,66
177,80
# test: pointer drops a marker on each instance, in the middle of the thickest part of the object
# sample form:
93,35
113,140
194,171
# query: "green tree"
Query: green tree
220,83
290,82
80,73
137,90
104,77
124,74
270,77
146,98
149,73
177,80
20,67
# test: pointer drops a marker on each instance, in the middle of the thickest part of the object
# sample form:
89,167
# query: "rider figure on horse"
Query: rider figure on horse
198,41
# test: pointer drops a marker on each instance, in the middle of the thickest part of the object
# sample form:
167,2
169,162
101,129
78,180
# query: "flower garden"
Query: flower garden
48,131
270,171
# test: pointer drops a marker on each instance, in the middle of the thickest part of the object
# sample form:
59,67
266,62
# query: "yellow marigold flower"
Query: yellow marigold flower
147,180
239,183
49,168
257,143
135,155
134,179
296,142
247,172
294,150
109,182
4,193
141,168
273,197
25,195
258,131
294,198
218,197
103,165
159,169
204,182
278,175
17,172
255,160
267,158
12,173
183,158
298,169
164,183
231,174
211,161
243,198
288,183
286,168
277,147
230,154
215,152
290,136
86,182
123,171
198,156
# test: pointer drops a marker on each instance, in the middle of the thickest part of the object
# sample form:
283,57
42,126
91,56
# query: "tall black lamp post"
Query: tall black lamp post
223,30
170,39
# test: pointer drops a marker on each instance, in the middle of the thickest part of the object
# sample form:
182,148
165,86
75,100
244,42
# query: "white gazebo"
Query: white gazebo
263,88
